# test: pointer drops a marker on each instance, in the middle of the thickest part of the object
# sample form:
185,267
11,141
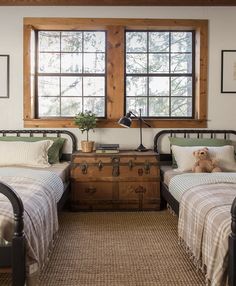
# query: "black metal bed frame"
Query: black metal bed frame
14,254
166,196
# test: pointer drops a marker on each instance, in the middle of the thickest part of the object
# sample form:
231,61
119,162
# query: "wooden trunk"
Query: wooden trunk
128,180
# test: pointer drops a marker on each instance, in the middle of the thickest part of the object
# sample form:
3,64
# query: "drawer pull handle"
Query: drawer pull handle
140,190
90,190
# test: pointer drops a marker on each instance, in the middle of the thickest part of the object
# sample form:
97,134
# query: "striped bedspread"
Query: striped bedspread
180,183
39,191
205,219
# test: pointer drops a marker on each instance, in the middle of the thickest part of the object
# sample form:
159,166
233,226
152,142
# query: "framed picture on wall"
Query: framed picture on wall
228,71
4,76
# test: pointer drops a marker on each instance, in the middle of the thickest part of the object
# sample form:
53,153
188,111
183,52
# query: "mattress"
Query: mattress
61,169
169,173
186,180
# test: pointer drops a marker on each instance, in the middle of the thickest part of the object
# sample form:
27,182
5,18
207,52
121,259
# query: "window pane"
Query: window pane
136,41
136,86
181,107
71,86
71,106
94,41
159,86
72,55
49,41
158,63
159,106
94,86
71,41
96,105
181,42
49,63
165,53
49,106
136,63
159,41
134,104
48,86
71,63
94,63
181,86
181,63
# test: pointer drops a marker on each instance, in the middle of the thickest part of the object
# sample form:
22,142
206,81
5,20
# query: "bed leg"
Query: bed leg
232,247
18,261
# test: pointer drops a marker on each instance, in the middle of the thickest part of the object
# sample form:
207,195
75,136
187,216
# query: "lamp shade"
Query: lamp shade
125,121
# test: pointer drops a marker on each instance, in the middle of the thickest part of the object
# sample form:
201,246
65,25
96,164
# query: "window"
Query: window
111,66
70,75
159,73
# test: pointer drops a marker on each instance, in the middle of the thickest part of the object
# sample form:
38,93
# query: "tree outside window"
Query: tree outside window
160,73
71,72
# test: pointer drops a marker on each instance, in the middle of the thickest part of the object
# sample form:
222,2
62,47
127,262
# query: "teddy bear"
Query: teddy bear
204,163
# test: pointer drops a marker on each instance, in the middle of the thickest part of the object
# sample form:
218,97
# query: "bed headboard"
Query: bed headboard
47,133
189,133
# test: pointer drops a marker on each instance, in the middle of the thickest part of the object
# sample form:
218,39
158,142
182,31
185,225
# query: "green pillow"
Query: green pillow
196,142
54,152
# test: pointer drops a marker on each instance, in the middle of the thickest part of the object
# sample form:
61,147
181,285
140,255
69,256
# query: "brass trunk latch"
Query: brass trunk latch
147,167
100,165
140,172
84,167
130,164
116,167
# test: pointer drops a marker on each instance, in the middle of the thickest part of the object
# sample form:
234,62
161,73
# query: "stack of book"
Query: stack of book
107,148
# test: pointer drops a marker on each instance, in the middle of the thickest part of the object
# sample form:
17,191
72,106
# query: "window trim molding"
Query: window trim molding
117,3
115,73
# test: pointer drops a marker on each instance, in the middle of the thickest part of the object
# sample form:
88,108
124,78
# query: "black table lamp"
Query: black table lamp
126,122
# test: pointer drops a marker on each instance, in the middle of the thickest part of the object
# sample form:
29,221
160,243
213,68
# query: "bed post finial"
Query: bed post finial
232,247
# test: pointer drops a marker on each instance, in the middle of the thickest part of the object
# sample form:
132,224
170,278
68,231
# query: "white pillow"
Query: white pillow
224,155
30,154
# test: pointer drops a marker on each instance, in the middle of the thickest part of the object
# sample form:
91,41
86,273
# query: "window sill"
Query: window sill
103,123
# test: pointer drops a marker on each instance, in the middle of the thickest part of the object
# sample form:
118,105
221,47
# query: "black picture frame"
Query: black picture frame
4,76
228,71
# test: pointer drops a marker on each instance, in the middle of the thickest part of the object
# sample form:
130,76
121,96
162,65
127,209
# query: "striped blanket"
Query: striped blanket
205,219
39,191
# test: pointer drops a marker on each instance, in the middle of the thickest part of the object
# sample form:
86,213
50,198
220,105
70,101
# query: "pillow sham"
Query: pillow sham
206,142
29,154
54,152
224,156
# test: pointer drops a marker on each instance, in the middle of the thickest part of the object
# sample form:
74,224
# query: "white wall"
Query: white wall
222,23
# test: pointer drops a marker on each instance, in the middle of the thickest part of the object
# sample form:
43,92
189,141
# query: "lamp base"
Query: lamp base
141,148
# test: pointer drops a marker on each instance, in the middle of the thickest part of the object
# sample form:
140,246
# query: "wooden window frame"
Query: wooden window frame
115,100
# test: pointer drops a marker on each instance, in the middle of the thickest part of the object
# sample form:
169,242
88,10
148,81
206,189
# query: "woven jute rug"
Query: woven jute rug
116,249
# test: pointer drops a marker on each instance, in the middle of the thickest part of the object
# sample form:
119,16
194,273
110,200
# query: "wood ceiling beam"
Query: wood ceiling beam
117,2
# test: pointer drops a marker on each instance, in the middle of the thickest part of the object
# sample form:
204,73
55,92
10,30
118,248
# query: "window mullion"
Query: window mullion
60,79
148,74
